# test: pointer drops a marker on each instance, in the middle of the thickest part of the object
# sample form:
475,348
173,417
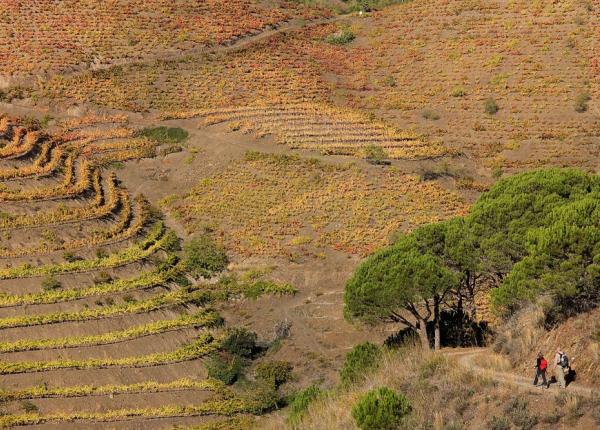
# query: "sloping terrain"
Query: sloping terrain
314,139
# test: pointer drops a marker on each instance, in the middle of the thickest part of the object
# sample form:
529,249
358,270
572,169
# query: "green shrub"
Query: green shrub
28,406
227,368
203,257
274,373
170,242
50,283
164,135
458,92
376,155
490,106
380,409
301,401
581,102
342,37
240,342
362,358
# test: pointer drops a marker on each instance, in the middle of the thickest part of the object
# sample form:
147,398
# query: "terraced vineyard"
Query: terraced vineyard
320,128
96,311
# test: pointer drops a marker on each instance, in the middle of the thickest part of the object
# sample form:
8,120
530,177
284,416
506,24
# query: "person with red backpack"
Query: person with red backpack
540,370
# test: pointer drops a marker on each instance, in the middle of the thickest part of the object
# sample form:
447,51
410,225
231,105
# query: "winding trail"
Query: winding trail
465,357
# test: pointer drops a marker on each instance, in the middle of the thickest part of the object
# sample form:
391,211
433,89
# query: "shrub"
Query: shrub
50,283
380,409
490,106
102,278
369,5
170,242
362,358
581,102
342,37
517,410
458,92
226,368
301,401
274,373
430,115
164,135
499,423
70,257
375,155
240,342
28,406
203,257
497,173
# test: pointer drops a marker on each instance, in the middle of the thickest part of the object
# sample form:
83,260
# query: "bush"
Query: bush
164,135
380,409
28,406
274,373
301,401
430,115
490,106
581,102
227,368
458,92
499,423
376,155
102,278
70,257
240,342
50,283
203,257
517,410
369,5
170,242
362,358
341,37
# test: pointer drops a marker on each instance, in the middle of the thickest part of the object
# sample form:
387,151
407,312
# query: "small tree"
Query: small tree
400,284
380,409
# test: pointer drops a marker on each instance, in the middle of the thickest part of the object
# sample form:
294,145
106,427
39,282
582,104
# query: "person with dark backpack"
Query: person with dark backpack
540,370
561,366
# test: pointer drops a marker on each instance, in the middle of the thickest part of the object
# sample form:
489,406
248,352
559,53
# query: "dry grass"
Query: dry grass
442,395
531,57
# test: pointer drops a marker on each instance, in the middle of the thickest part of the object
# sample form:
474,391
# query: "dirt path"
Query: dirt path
465,357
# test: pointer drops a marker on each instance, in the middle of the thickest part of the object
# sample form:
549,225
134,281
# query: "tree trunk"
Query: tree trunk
422,332
436,323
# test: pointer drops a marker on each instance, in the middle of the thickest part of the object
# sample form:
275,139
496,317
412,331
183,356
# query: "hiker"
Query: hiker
540,370
561,365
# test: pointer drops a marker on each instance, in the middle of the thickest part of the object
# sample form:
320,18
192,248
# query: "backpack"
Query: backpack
563,360
543,364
